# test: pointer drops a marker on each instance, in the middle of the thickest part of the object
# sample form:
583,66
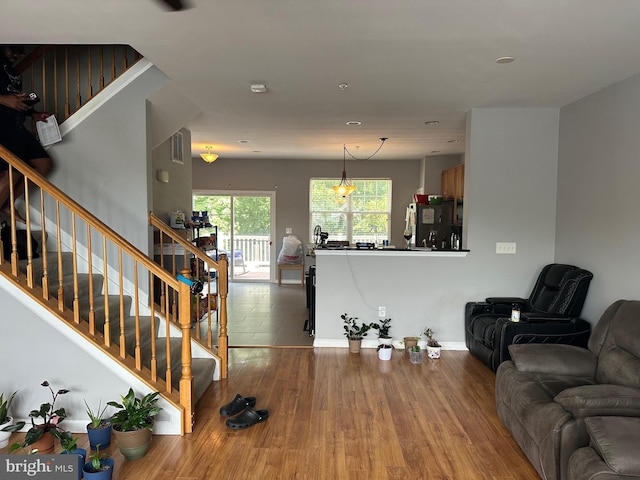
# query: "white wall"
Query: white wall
510,194
176,194
598,194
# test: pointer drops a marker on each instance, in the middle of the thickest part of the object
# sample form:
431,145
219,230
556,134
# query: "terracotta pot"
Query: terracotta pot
44,444
133,445
354,345
410,342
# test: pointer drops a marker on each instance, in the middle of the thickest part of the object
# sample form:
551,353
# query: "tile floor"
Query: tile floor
263,314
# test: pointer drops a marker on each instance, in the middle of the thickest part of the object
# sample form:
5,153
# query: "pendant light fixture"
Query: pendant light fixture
209,157
345,188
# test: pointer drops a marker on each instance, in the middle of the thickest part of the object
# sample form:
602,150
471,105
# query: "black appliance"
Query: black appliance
434,225
310,324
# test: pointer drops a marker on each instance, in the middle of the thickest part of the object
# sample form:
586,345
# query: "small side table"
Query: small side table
285,266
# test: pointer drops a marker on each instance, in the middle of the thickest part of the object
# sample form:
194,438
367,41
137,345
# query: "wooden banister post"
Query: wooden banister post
223,338
186,380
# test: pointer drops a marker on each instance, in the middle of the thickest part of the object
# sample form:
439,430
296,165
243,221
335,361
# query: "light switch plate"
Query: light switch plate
506,247
289,231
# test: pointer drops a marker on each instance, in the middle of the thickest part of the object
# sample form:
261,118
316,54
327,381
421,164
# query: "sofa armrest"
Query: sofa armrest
600,400
554,359
506,301
536,317
616,440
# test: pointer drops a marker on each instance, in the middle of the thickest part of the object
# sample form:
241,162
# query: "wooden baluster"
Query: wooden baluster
78,91
67,106
45,265
89,75
59,256
105,269
223,338
74,249
113,63
152,330
55,81
136,302
186,380
101,67
123,351
167,346
29,240
92,312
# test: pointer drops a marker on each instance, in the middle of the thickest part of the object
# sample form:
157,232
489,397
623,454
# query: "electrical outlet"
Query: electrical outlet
289,231
506,247
382,311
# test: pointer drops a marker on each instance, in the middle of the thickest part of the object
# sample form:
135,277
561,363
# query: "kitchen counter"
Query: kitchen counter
422,252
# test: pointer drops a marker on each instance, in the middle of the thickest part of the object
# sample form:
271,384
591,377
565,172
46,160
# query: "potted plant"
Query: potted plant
383,331
69,445
433,347
99,466
99,429
5,419
415,354
354,332
133,423
410,342
39,438
384,351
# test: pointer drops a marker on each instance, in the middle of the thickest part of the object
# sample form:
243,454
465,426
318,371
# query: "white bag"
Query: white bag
291,252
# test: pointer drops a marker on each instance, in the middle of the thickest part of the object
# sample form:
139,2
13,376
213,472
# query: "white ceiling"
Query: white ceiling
406,62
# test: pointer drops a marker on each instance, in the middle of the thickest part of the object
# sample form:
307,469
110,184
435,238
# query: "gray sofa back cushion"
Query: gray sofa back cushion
616,342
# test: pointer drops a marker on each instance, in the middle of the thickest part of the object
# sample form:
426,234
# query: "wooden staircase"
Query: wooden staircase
117,297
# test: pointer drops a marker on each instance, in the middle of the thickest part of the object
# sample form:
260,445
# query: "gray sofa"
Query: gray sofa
545,393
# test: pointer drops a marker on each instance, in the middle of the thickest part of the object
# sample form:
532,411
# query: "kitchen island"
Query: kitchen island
419,288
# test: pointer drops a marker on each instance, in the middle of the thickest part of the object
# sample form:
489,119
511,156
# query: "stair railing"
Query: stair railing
65,77
177,255
94,247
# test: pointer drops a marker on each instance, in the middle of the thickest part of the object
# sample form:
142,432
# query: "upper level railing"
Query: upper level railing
65,77
66,230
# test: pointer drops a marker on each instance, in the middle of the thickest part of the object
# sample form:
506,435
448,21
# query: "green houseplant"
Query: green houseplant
133,423
5,418
69,445
40,436
354,332
433,347
99,427
99,466
383,331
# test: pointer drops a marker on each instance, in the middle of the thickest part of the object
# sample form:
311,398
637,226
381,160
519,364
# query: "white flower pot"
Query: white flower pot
433,352
385,353
4,436
385,341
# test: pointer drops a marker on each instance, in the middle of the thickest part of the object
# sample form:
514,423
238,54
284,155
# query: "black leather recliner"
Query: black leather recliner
549,315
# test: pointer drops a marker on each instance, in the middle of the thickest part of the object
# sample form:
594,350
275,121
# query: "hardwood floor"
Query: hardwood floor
335,415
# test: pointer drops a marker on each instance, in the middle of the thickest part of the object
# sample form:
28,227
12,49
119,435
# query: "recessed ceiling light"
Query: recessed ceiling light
502,60
258,87
453,141
354,122
256,151
435,151
343,86
432,122
243,141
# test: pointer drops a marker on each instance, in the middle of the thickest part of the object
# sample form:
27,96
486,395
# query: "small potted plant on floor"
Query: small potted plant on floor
69,445
99,466
383,331
40,437
99,429
354,332
433,347
410,342
133,423
5,419
415,354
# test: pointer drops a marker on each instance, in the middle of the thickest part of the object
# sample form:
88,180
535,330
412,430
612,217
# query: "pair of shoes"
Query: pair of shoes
247,419
237,405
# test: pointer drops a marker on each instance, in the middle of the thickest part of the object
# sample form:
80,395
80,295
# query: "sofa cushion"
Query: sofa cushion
554,359
601,399
616,440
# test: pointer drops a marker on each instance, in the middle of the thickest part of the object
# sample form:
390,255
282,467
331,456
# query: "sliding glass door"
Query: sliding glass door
244,222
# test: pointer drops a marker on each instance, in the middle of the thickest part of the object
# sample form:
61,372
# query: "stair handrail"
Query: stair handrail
183,290
221,267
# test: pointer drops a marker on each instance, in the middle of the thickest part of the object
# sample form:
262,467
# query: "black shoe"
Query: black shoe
247,419
237,405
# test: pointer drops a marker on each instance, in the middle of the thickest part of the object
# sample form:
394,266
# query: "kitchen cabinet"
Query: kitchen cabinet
453,189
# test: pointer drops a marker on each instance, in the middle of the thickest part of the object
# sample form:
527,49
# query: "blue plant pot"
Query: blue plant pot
82,457
89,474
99,436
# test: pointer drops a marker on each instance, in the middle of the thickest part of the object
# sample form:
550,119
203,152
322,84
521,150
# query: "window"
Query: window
364,216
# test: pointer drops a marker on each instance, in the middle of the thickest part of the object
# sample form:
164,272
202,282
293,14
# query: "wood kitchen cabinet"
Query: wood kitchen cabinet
453,189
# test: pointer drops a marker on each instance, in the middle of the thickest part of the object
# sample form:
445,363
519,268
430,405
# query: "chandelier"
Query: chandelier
345,187
209,157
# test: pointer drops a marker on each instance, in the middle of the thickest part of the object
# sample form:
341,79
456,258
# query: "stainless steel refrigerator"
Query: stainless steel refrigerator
434,225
